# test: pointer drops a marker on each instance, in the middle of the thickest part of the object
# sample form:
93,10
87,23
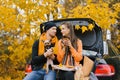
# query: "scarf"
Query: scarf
41,44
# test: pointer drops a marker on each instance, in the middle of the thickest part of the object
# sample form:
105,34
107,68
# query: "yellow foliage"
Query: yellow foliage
70,0
16,23
90,26
10,48
84,28
8,78
60,65
89,1
118,46
100,12
77,27
117,7
64,14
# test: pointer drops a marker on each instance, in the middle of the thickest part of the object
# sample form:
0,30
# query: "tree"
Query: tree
105,13
19,26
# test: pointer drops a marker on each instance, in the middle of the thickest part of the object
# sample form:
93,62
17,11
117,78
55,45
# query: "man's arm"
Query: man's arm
37,59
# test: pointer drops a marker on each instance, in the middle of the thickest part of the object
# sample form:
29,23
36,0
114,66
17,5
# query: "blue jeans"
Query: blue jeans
41,75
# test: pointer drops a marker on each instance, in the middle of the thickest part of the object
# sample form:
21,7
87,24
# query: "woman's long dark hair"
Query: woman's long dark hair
72,35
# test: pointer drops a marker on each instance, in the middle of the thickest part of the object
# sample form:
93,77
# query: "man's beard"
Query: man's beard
52,36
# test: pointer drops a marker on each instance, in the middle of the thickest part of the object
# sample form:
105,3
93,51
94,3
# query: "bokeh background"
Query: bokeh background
20,20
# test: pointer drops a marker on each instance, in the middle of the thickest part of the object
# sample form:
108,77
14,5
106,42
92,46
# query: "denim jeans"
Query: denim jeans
41,75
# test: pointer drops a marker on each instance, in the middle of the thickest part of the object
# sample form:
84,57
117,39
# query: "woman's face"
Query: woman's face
65,30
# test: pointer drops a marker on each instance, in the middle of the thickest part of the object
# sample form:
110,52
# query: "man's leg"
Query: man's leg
35,75
51,75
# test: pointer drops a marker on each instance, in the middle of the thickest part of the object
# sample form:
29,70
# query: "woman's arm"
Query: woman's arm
37,59
77,54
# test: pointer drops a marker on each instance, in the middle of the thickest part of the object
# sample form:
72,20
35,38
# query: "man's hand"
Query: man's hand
48,53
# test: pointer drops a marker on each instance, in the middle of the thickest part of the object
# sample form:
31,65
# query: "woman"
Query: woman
69,50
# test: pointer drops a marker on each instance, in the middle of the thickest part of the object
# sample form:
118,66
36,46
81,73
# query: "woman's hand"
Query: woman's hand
67,42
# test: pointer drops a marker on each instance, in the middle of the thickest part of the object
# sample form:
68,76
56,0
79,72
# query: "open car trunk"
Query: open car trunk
91,39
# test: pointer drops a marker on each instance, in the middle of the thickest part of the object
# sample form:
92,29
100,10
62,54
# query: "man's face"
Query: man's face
52,31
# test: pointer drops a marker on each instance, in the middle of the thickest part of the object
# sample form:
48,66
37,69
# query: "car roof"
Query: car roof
91,39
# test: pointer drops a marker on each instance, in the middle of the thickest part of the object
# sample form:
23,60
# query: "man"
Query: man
40,55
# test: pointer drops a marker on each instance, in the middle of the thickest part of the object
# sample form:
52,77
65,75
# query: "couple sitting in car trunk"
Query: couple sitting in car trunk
48,51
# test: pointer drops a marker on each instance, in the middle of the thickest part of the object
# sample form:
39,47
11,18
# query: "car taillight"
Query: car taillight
28,69
104,70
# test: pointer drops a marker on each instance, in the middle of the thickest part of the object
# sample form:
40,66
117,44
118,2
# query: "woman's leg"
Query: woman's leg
51,75
66,75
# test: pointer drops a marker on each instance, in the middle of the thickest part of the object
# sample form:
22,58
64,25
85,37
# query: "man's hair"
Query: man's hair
49,25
